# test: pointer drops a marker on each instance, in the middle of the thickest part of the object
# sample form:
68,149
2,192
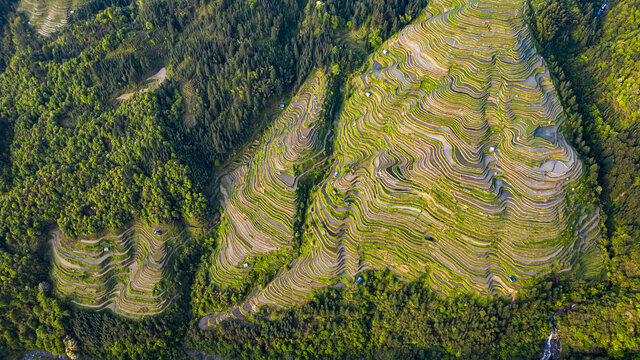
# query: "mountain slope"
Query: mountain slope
123,273
448,161
259,196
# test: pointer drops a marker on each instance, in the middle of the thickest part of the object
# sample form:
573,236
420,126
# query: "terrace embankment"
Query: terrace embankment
258,195
448,161
122,273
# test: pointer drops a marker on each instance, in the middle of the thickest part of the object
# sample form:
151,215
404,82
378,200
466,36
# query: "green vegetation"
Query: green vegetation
105,335
259,196
385,318
595,60
445,180
74,156
423,157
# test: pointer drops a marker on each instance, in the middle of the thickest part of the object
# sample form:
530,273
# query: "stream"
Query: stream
552,345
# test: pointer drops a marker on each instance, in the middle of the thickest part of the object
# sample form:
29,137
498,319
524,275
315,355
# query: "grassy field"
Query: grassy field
448,161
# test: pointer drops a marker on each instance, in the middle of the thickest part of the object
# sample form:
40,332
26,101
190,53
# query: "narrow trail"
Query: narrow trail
155,81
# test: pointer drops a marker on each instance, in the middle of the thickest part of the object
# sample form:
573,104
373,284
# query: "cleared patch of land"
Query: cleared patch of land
153,82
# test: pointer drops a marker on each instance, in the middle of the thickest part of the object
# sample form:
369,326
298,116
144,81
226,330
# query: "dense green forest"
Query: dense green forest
596,60
72,156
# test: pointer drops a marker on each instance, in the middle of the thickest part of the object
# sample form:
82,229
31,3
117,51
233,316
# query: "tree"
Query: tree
374,39
335,69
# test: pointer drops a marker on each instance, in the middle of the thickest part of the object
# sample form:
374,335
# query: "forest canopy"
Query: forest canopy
73,156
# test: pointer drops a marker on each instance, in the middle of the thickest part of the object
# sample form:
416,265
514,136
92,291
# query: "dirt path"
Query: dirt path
155,81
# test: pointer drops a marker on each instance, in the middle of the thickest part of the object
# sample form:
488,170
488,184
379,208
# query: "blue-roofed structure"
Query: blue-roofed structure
512,278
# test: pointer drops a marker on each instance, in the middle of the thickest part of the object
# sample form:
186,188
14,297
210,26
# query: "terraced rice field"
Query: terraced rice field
49,15
448,161
121,273
259,193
